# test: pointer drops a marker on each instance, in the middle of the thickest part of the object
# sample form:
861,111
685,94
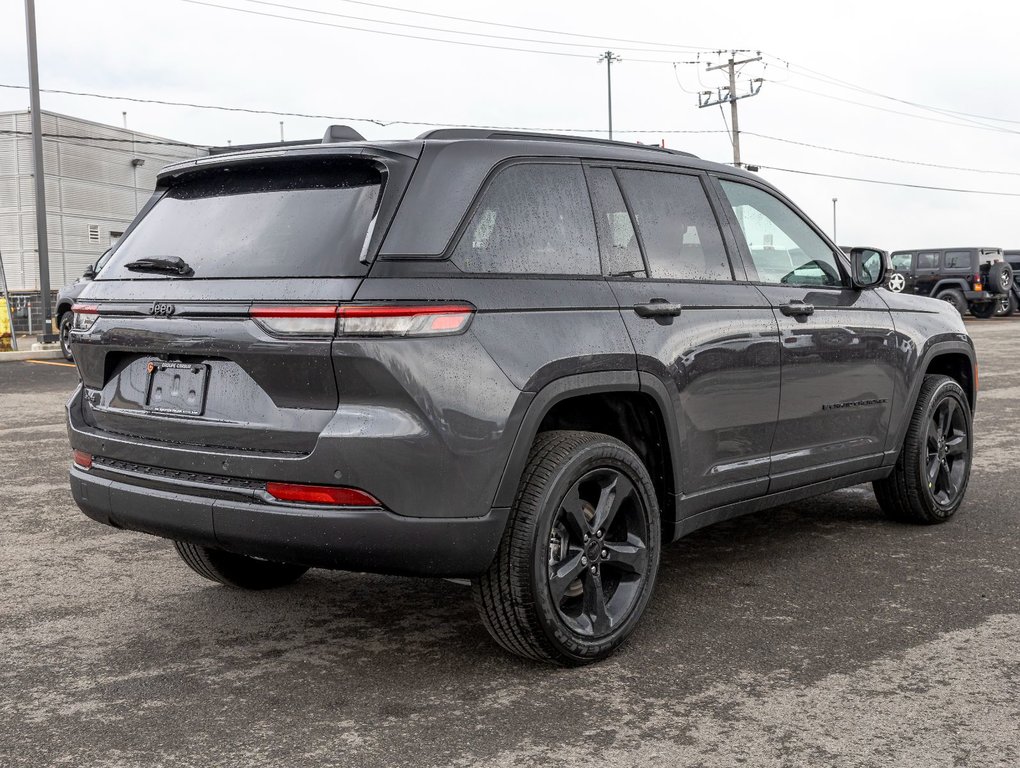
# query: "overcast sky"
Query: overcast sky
951,56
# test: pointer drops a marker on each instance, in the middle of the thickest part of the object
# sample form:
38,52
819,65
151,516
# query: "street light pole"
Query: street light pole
834,217
42,238
609,57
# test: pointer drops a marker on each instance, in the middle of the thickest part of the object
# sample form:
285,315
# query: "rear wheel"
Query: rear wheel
956,298
931,474
984,310
65,335
237,570
578,559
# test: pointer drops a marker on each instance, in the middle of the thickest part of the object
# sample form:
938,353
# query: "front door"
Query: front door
837,344
699,328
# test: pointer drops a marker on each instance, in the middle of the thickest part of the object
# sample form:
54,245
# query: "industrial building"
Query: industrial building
97,178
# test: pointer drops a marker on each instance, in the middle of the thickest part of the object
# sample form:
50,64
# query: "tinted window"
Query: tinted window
618,242
678,229
783,247
259,222
956,260
533,219
927,261
901,261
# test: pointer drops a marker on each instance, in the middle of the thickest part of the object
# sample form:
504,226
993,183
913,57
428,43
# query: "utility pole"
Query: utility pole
834,200
42,239
705,98
609,57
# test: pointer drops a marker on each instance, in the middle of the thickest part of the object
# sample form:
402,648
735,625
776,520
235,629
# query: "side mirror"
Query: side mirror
868,267
90,272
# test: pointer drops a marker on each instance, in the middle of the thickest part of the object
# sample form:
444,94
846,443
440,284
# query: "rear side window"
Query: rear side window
679,232
901,261
927,261
957,260
311,220
618,243
532,219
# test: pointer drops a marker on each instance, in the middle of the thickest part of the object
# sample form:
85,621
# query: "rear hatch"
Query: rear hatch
183,345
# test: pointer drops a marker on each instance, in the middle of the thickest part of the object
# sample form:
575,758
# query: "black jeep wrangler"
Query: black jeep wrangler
530,361
975,279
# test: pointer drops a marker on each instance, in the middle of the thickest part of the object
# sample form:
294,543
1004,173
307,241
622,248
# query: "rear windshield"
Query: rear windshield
263,221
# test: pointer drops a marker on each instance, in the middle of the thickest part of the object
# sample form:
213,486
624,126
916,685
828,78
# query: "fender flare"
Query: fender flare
947,283
573,386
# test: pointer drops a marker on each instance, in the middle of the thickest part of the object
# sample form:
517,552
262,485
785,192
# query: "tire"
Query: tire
985,310
1004,306
955,297
1013,307
1000,277
237,570
64,327
546,548
908,494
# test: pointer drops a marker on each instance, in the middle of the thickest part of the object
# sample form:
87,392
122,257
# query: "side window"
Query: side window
901,261
678,229
956,260
618,243
927,261
783,247
532,219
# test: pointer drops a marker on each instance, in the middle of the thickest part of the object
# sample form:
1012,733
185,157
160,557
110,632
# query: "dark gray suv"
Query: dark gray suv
525,360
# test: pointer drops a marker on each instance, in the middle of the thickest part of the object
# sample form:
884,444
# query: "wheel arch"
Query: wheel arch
947,283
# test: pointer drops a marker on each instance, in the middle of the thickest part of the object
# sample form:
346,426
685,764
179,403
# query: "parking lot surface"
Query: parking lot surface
814,634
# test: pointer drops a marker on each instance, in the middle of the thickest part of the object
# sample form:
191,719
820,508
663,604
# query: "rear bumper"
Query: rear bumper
340,538
979,297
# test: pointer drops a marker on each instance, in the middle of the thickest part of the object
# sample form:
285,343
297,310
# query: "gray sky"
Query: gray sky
950,56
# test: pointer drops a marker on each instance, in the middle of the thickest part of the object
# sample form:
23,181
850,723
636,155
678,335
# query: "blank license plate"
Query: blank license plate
177,388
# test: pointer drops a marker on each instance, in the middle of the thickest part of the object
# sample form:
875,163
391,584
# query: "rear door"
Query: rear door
697,325
926,272
837,343
207,356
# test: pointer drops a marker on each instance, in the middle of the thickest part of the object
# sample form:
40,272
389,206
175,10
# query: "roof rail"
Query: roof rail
337,134
487,133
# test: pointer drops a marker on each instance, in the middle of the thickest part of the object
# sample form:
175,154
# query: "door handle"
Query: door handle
658,308
797,309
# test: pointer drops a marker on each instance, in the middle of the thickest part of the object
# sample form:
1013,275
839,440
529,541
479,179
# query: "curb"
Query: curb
46,354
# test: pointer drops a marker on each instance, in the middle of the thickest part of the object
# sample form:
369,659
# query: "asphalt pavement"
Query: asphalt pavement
814,634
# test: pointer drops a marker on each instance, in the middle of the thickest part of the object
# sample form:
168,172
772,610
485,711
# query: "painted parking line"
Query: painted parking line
49,362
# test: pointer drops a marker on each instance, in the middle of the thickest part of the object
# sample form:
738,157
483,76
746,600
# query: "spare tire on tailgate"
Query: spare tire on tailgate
1000,277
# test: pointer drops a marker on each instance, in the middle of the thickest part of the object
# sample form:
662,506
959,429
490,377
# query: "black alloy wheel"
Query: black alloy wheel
598,553
947,459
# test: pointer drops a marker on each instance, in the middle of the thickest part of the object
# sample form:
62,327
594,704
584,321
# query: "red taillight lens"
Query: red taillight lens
365,319
322,494
84,316
83,460
396,320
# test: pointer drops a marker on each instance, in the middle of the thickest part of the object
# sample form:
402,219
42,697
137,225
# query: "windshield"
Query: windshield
263,221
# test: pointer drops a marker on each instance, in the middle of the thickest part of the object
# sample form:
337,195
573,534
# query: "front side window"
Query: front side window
901,261
784,249
927,261
957,260
532,219
678,229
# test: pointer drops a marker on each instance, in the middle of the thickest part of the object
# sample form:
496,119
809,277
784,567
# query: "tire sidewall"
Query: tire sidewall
591,457
65,336
947,388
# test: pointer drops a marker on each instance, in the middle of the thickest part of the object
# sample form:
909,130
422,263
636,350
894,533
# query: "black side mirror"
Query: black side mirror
868,267
90,272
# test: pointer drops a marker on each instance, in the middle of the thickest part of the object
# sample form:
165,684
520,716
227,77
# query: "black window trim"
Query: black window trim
745,252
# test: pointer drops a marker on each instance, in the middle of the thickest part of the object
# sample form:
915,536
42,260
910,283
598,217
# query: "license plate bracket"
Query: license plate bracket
177,388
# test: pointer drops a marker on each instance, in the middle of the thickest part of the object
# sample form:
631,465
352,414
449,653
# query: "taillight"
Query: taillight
978,286
396,320
84,317
365,319
322,494
83,460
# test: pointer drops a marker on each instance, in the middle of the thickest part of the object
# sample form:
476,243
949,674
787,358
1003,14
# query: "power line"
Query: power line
10,132
889,183
404,34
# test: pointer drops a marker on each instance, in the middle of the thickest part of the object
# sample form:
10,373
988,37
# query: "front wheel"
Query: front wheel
237,570
579,557
931,474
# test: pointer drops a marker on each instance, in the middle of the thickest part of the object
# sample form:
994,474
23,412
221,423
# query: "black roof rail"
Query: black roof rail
487,133
336,134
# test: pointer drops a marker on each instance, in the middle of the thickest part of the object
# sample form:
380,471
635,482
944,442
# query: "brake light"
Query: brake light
396,320
83,460
365,319
322,494
84,317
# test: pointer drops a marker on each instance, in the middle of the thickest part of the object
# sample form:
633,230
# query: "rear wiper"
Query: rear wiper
171,266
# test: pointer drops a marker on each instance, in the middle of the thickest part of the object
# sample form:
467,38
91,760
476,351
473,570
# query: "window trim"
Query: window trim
479,196
745,252
677,170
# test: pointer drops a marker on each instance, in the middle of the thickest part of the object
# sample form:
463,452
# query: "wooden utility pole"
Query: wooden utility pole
705,98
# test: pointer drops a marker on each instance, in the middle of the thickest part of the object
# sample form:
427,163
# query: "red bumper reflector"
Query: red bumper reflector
83,460
322,494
